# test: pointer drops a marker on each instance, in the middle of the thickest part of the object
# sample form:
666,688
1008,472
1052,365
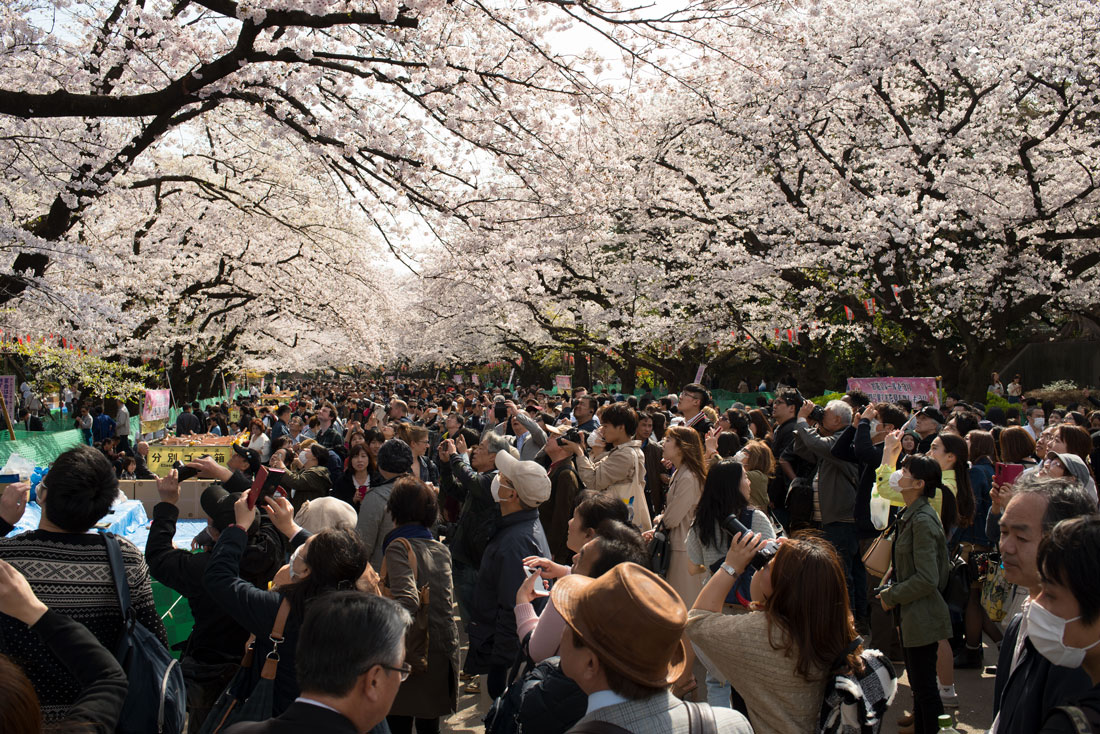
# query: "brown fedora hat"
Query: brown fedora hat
631,618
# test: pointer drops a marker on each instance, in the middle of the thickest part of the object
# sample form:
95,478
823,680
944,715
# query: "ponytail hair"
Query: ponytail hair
927,469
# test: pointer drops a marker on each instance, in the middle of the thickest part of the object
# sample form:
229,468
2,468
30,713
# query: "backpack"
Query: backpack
543,701
156,700
1085,720
857,704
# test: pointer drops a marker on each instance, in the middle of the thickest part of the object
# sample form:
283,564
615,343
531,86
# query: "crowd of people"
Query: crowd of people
640,563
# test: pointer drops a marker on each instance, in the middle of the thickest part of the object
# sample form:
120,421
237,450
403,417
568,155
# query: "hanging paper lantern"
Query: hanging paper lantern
849,313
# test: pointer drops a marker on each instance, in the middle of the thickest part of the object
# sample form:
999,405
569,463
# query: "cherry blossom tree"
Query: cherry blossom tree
930,168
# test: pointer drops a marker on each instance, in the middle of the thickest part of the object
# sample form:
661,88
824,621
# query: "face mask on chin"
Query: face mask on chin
1046,630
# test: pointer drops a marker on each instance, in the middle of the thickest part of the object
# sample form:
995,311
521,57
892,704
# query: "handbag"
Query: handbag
156,699
996,591
879,556
957,591
416,639
238,704
660,551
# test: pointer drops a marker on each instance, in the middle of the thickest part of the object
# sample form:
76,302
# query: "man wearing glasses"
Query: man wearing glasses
785,409
348,681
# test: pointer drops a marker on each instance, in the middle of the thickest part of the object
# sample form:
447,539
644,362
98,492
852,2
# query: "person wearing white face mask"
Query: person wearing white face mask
1064,620
307,477
519,488
1036,420
1028,686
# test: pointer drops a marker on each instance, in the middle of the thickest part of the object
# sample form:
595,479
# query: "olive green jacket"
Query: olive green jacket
920,571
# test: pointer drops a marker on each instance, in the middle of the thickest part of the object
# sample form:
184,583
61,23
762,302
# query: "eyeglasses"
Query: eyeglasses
403,671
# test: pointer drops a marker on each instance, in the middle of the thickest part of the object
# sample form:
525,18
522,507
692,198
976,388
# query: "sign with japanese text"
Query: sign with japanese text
892,389
161,458
7,388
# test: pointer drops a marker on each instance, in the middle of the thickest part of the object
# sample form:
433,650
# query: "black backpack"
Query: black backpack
543,701
156,700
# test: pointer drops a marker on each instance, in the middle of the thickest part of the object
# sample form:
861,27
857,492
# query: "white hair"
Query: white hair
840,409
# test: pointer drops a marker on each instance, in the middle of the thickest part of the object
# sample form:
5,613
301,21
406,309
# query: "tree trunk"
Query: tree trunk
628,378
582,377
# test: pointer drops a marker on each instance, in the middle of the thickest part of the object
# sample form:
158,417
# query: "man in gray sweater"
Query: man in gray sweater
395,458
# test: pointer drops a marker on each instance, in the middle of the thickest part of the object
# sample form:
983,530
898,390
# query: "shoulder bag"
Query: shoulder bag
878,557
236,703
416,639
660,550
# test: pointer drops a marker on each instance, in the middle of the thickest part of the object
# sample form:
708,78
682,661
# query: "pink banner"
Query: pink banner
155,407
7,385
892,389
564,382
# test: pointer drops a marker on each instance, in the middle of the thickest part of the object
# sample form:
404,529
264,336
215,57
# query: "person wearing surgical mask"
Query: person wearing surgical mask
307,477
1064,619
1028,686
1036,421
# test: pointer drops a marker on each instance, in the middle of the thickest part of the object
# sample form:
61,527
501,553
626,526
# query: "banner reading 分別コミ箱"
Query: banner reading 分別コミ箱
893,389
161,457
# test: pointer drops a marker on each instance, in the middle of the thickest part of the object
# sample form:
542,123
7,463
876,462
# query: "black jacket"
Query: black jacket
1024,698
102,680
854,445
255,610
142,470
782,438
1060,723
344,488
477,521
298,718
188,423
215,638
492,629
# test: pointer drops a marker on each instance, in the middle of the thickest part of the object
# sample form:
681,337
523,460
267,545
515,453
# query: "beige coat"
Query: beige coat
683,497
620,471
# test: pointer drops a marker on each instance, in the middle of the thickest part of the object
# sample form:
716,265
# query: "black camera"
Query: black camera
185,472
500,412
817,414
572,435
766,552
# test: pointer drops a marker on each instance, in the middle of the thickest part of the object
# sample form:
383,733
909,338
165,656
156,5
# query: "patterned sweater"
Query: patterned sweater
69,572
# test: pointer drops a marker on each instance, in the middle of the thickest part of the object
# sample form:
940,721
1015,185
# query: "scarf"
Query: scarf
412,530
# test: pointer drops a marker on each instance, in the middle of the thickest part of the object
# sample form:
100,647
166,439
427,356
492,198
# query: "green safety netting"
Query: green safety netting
42,447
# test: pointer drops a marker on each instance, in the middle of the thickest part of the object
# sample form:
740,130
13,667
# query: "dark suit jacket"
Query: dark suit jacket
297,719
1023,697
